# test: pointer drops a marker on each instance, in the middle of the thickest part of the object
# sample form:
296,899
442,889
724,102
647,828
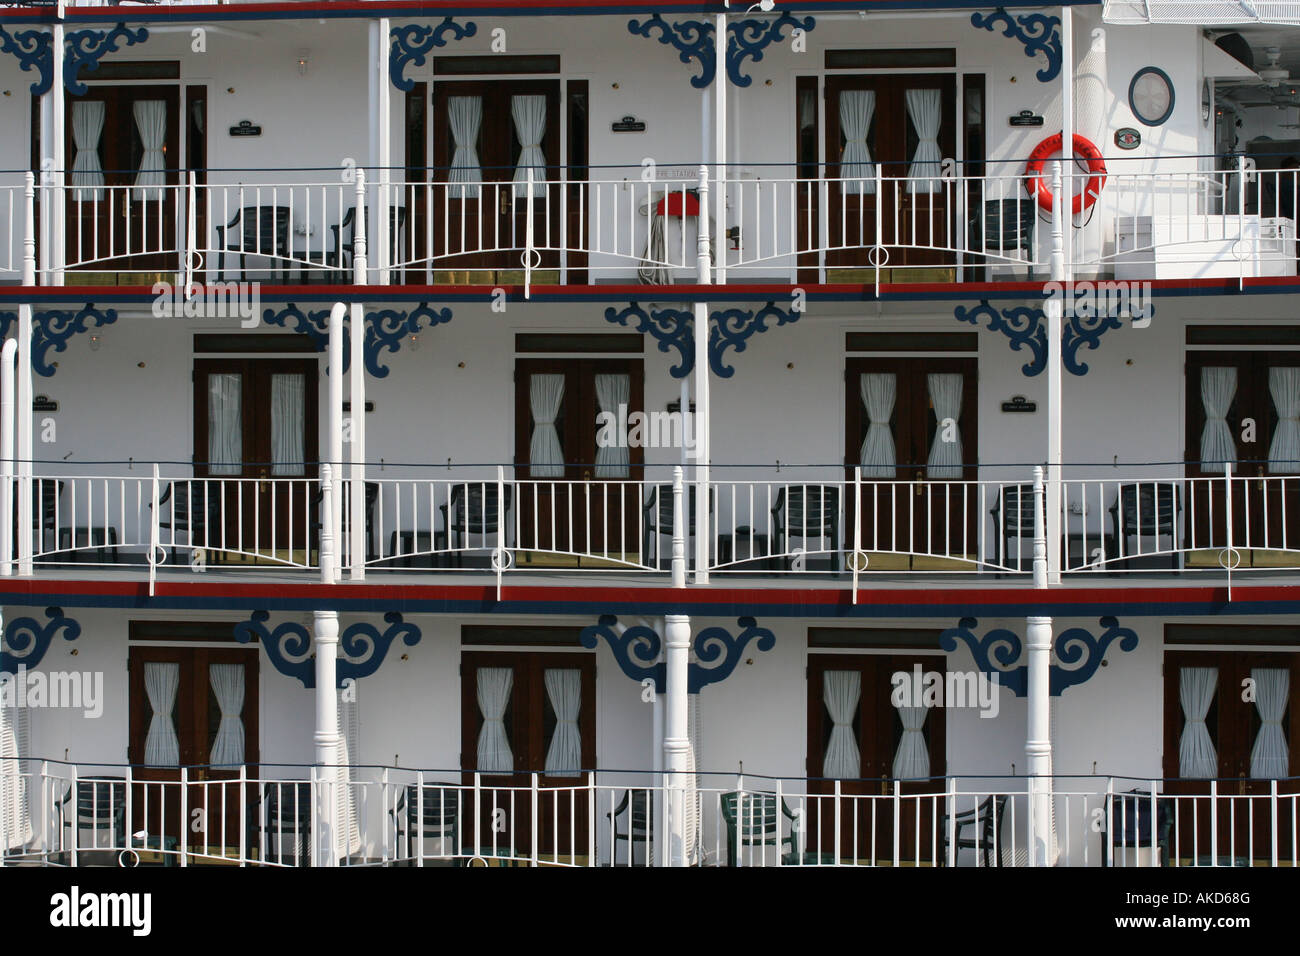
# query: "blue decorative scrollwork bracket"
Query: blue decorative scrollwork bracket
732,328
671,328
26,640
749,38
692,39
34,49
364,647
53,329
1022,325
314,324
412,43
1036,31
1000,648
636,650
386,329
1087,330
288,646
87,47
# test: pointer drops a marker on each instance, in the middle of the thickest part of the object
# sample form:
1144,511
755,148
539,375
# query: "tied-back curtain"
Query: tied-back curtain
494,753
228,688
564,754
912,760
1270,757
1284,452
1197,757
151,121
925,110
840,691
529,113
87,173
878,391
225,424
545,456
1218,386
162,748
612,391
465,114
945,397
15,809
856,110
288,424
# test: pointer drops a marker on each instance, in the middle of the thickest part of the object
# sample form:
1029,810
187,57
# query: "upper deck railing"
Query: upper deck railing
620,225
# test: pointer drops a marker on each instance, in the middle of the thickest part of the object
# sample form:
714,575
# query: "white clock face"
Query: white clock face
1151,96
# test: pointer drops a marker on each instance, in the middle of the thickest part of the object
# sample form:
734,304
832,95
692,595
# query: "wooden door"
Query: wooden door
1266,507
481,223
526,713
1247,704
580,500
210,728
856,737
924,507
256,427
122,205
900,224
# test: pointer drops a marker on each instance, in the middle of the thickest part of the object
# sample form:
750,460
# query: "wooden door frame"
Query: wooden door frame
257,371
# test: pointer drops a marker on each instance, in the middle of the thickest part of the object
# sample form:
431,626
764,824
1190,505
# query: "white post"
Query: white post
703,533
23,379
720,147
357,499
1038,739
381,144
326,632
1053,316
55,147
8,354
334,364
679,531
677,742
1067,124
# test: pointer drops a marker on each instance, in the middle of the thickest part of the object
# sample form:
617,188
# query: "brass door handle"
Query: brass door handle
919,482
505,200
261,480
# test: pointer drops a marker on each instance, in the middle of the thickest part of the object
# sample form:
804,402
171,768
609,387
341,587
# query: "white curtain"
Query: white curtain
151,121
1197,757
923,106
225,424
856,109
494,753
611,391
1270,756
945,398
1218,385
913,758
1284,452
15,810
840,691
161,746
87,127
545,456
288,424
564,754
465,114
529,112
228,688
878,391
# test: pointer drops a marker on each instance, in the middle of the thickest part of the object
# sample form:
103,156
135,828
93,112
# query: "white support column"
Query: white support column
1067,125
381,145
1053,309
703,428
677,741
8,356
326,633
1038,734
23,379
357,499
335,489
720,148
56,150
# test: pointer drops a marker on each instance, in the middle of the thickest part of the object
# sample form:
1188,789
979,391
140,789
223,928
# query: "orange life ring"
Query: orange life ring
1083,148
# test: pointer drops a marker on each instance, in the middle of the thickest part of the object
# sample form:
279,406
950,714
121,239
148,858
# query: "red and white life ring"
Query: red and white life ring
1085,150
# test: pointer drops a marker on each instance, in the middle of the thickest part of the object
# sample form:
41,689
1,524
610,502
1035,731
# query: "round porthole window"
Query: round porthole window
1151,96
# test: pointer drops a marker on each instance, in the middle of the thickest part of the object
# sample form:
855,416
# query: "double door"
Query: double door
255,437
122,202
910,423
1242,410
193,707
859,739
901,127
487,134
1231,717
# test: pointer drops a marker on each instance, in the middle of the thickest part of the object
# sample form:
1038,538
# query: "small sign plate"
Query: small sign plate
1128,138
43,403
628,124
1018,403
245,128
1025,118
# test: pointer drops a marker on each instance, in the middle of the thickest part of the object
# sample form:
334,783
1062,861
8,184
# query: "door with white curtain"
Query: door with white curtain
523,714
1231,717
193,707
859,740
121,209
487,137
